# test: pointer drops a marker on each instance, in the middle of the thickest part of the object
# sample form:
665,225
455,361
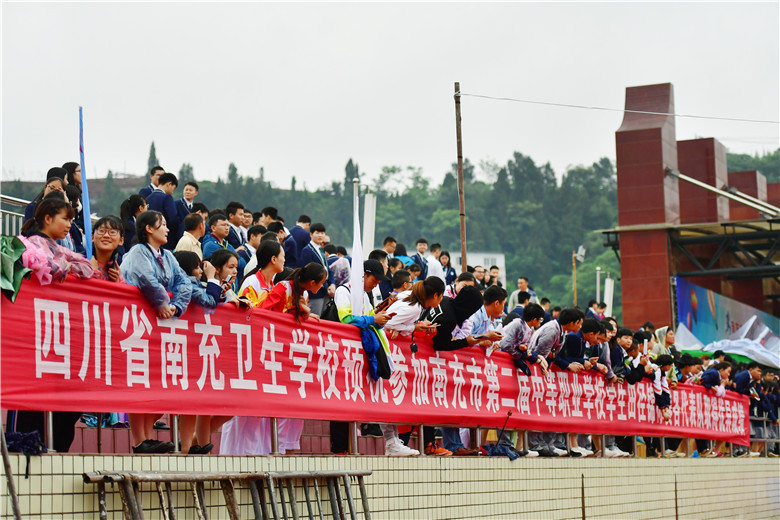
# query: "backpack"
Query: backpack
329,311
29,443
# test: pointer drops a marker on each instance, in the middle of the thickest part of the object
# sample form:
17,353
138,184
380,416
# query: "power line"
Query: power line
585,107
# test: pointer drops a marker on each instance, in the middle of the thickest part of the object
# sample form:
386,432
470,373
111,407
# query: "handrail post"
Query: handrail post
353,439
49,431
175,433
421,437
275,436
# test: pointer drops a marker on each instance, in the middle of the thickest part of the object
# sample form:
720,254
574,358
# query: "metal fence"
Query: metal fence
11,214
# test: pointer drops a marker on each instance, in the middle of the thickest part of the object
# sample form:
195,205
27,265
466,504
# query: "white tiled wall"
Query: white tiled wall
429,487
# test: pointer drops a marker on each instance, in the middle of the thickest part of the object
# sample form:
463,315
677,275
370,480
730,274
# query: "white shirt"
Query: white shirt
435,268
406,315
251,250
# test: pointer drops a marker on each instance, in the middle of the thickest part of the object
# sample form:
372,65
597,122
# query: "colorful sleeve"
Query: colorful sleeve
344,308
255,297
276,299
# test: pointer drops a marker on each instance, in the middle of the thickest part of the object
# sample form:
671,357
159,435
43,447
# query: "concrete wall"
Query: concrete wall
428,487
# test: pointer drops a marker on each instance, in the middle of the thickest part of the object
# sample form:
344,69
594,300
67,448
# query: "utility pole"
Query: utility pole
461,192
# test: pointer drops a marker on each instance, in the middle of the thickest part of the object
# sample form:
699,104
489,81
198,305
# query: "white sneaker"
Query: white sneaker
532,453
398,449
612,453
681,454
670,453
585,452
622,453
755,453
559,452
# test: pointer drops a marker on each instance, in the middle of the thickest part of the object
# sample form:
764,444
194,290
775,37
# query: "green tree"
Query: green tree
766,163
111,199
186,174
153,161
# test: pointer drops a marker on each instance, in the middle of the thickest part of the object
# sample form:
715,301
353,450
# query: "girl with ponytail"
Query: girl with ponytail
423,295
292,294
259,282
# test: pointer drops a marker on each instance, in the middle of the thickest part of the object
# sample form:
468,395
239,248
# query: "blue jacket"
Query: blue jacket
160,201
234,238
743,382
140,268
418,259
309,254
518,310
450,275
210,244
710,378
29,211
573,350
290,252
146,190
301,237
182,210
207,297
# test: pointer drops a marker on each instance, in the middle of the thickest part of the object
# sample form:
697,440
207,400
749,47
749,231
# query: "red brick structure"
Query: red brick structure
665,224
646,146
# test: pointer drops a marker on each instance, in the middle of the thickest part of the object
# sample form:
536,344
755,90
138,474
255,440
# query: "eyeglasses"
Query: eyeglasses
113,233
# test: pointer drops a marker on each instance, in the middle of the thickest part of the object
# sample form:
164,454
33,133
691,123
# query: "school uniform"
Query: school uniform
146,191
183,208
314,253
418,259
160,201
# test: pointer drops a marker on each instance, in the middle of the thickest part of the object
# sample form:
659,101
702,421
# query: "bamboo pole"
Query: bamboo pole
461,192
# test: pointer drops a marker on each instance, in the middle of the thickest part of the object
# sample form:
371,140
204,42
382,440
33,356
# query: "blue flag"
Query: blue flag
85,191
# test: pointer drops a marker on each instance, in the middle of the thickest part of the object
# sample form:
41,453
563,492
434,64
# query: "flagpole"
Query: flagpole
85,191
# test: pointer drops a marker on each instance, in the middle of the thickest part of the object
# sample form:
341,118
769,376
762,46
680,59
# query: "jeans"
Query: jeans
549,440
451,438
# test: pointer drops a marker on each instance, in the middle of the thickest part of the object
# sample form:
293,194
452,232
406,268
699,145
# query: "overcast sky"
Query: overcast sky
301,88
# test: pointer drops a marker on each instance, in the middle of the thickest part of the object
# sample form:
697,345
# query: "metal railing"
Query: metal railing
276,483
11,220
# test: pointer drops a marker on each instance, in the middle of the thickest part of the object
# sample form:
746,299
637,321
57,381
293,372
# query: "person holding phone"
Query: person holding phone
410,304
211,279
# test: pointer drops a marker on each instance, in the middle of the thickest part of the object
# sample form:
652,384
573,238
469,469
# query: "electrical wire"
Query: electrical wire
585,107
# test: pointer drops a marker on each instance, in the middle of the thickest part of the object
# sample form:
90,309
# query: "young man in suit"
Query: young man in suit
161,200
419,257
184,204
154,177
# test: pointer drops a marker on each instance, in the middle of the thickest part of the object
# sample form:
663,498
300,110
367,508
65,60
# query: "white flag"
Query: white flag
356,276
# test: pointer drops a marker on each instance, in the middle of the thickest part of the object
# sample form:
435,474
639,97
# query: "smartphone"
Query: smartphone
228,280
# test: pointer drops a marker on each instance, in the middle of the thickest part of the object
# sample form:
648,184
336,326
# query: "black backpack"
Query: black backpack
28,443
329,311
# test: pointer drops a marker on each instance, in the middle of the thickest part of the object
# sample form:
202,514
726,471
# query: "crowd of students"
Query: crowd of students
180,253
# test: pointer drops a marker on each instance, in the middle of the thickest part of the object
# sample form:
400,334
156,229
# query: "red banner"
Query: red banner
99,346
